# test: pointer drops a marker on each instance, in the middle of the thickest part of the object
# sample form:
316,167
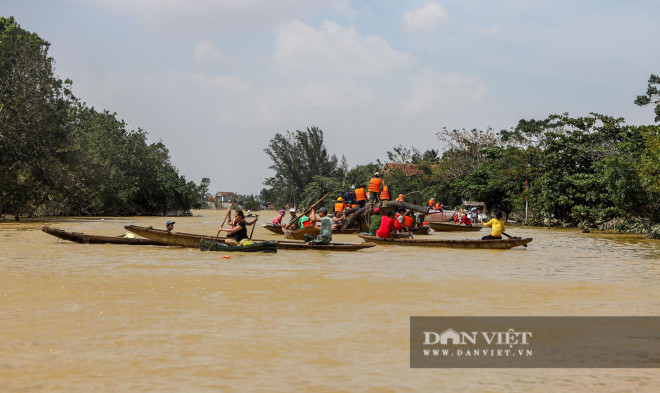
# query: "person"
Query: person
304,221
278,220
400,198
431,203
376,185
460,214
474,215
338,220
497,226
374,221
339,206
170,226
465,220
385,194
454,218
292,217
408,220
360,196
386,226
399,224
237,234
438,206
325,237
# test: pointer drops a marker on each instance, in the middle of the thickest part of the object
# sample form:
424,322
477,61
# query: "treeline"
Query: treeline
60,157
578,172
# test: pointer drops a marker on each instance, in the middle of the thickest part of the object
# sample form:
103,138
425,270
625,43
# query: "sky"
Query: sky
215,80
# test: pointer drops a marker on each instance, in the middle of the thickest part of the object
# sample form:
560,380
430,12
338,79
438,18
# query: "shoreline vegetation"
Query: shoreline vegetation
60,157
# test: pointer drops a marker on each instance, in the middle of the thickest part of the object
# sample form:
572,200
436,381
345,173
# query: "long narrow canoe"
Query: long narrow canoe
278,230
299,234
205,245
467,243
97,239
450,227
191,240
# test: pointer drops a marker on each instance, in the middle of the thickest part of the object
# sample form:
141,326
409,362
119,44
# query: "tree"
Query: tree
33,112
297,158
652,96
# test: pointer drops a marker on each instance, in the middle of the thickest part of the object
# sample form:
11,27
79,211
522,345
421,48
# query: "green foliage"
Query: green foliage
652,96
297,158
58,156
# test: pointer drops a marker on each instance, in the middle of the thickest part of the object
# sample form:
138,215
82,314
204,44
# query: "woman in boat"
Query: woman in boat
386,226
497,226
278,220
237,234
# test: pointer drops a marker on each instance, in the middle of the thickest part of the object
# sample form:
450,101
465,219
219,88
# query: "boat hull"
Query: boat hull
209,245
96,239
193,241
449,227
299,234
464,244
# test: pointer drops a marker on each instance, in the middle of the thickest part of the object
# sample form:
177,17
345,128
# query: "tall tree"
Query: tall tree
297,158
652,96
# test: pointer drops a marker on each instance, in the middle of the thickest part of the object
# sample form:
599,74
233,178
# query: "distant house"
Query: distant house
407,169
223,199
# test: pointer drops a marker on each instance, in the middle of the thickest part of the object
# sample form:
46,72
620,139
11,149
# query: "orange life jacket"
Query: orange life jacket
431,202
408,221
438,206
400,199
375,184
385,194
339,207
360,195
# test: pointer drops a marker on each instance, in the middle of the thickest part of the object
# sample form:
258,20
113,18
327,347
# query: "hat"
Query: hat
282,212
376,210
169,222
339,199
323,210
292,210
376,174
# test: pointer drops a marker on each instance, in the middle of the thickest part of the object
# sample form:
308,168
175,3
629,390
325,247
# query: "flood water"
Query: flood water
119,318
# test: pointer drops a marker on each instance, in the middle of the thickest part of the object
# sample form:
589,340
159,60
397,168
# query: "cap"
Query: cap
169,222
376,210
292,210
323,210
339,199
376,174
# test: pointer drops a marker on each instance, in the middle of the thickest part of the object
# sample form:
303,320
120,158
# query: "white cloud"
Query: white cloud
450,91
495,29
335,49
430,17
205,53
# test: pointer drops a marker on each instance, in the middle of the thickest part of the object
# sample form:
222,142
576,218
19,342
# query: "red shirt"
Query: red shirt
465,220
386,227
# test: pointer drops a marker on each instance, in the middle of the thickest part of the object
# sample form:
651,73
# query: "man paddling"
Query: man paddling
325,237
497,224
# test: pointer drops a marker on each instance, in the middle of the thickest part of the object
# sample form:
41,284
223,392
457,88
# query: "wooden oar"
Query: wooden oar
507,235
306,211
254,224
223,223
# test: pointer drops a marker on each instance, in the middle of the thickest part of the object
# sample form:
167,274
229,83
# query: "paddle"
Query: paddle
509,236
223,223
305,213
254,224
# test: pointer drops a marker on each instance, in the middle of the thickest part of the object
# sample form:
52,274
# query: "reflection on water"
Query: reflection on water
113,318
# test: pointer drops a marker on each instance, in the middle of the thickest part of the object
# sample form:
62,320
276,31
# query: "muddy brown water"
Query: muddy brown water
111,318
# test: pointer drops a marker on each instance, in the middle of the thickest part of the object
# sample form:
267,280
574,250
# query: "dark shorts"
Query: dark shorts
490,237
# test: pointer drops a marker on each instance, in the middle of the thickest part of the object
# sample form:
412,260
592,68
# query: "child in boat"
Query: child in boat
278,220
374,221
170,226
497,225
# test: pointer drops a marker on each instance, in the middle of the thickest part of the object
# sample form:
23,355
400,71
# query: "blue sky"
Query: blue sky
215,80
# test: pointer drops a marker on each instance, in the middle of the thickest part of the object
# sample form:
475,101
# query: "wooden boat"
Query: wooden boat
439,216
423,230
278,230
205,245
467,243
97,239
451,227
191,240
299,234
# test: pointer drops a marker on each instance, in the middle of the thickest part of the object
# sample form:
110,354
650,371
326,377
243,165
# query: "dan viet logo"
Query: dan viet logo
485,343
